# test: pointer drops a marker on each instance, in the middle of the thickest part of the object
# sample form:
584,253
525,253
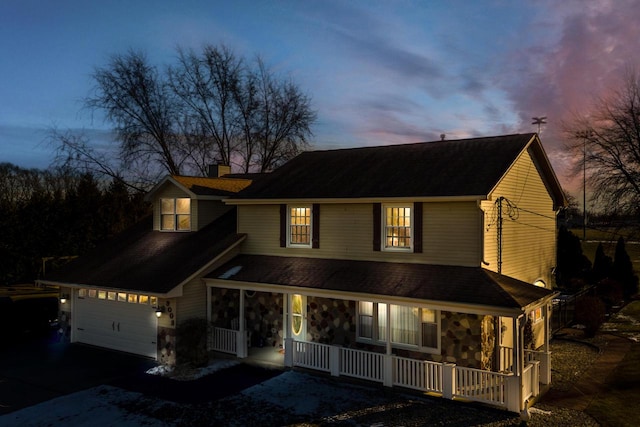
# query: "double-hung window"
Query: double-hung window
299,226
408,327
397,227
175,214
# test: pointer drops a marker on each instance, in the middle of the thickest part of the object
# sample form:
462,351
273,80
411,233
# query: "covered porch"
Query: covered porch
322,330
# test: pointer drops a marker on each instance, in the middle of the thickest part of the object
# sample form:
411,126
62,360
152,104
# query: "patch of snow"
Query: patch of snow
535,410
192,374
97,406
230,272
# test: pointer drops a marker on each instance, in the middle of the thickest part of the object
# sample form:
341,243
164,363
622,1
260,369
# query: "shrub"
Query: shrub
191,342
590,311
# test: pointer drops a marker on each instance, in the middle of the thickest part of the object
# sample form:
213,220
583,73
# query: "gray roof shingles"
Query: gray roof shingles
428,169
144,260
470,285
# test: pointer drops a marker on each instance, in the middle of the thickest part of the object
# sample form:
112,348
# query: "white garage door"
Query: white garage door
117,323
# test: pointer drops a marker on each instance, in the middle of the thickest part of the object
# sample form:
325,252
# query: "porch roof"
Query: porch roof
451,284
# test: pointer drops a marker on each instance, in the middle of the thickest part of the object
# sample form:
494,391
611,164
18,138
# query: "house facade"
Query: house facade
427,266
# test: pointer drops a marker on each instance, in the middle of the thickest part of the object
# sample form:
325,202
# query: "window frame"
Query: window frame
384,227
175,215
290,225
375,327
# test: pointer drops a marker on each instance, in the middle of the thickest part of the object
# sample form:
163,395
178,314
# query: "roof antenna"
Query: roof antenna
442,136
539,121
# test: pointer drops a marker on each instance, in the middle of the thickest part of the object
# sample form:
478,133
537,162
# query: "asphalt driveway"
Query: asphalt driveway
35,371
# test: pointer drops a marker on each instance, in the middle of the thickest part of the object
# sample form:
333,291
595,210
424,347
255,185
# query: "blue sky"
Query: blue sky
378,72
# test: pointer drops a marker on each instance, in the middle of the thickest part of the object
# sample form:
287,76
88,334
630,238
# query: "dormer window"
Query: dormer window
175,214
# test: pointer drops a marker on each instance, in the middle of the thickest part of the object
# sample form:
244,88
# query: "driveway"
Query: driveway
36,370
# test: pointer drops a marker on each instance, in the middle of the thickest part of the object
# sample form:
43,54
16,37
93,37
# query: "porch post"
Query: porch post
518,365
387,380
242,334
545,357
288,352
209,325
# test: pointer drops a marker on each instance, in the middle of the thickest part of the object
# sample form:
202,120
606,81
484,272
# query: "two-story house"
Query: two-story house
426,265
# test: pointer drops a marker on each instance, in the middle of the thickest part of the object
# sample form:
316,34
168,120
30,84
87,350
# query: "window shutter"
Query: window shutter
315,226
283,226
417,227
377,224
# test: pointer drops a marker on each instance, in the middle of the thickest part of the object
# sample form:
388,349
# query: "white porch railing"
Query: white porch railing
530,380
417,374
311,355
481,386
362,364
224,340
451,381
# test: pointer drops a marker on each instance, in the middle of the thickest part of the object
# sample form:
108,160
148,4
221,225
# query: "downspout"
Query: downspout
482,232
499,202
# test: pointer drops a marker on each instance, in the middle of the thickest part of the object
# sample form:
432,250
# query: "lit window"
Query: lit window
102,294
82,293
143,299
175,214
122,297
411,327
397,227
132,298
300,226
153,301
536,315
297,314
93,293
404,325
111,296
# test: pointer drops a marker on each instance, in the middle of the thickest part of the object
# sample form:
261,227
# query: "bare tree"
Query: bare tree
211,106
284,119
607,145
136,100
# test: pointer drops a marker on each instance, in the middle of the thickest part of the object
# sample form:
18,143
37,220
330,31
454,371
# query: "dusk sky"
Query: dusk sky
378,72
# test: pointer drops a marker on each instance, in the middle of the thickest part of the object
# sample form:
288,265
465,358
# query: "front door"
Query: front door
298,317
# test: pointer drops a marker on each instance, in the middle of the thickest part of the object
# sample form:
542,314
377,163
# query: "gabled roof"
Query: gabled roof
141,259
452,168
449,284
197,186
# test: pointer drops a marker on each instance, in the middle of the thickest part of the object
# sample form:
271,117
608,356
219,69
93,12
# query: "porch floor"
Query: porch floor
268,355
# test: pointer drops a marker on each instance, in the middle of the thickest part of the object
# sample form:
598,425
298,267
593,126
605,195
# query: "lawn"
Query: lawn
616,407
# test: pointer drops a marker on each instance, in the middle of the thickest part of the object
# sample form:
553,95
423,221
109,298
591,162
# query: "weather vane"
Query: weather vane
539,121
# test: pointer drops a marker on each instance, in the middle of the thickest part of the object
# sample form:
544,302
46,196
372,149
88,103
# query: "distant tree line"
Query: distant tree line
57,213
209,106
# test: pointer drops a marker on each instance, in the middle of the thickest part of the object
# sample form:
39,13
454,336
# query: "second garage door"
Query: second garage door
117,321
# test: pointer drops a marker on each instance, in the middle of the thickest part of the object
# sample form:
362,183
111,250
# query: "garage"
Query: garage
115,320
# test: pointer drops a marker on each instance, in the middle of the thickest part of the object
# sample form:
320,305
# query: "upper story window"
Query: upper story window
299,226
175,214
398,226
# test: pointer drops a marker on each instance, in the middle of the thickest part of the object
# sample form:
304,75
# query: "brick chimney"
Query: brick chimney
216,171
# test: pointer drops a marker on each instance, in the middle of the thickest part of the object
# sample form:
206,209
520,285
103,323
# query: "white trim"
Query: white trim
360,200
299,206
383,227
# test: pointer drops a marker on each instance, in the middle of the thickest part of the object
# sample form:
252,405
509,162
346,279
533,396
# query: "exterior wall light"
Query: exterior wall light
64,298
159,310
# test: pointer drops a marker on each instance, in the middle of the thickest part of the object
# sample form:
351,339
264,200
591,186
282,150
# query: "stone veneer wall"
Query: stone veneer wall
331,321
263,315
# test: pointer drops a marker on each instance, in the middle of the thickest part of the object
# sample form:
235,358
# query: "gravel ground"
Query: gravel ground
295,398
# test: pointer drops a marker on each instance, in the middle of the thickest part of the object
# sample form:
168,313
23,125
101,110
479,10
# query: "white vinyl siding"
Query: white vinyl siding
529,233
451,233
